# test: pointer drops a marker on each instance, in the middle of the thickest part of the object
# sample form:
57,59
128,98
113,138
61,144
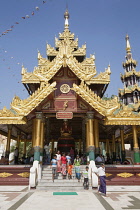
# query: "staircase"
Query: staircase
59,183
115,175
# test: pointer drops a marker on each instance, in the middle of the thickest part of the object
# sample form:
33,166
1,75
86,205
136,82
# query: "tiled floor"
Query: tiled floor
119,197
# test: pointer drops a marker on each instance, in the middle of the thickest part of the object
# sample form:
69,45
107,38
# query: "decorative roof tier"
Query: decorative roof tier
130,73
129,89
65,54
131,92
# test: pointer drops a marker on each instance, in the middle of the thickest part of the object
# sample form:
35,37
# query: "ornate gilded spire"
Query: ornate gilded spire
66,16
128,48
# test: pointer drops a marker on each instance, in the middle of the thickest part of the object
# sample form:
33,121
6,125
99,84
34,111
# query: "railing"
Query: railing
35,174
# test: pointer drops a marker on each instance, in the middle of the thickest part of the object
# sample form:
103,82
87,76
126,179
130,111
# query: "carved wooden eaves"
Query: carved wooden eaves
105,108
123,116
24,107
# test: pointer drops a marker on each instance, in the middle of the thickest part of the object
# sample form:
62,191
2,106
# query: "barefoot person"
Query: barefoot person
58,158
54,166
77,163
64,164
102,176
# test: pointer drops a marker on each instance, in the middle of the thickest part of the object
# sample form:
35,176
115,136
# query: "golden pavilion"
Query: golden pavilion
66,104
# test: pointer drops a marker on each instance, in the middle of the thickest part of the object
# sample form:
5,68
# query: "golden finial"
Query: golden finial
128,48
66,16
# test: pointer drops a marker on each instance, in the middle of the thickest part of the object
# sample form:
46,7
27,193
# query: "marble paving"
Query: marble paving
21,198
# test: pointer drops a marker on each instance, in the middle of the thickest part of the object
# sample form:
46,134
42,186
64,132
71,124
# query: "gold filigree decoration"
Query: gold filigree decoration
7,113
138,174
64,54
5,174
103,107
125,175
107,174
24,174
23,107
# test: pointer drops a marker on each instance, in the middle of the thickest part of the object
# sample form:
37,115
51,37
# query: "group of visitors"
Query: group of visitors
63,164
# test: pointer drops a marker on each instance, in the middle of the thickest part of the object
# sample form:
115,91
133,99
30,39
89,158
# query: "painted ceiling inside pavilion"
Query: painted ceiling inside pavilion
67,81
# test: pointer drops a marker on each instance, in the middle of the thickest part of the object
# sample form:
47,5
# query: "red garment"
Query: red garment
63,160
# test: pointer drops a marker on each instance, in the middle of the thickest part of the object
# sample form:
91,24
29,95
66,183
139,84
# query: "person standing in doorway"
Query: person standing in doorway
102,176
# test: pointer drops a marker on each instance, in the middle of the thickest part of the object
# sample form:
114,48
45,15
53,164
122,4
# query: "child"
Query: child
86,183
68,159
54,167
69,168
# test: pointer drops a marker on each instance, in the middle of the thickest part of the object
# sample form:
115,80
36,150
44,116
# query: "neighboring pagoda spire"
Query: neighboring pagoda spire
66,16
131,92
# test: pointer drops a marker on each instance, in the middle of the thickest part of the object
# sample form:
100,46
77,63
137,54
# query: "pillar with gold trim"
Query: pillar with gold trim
113,147
42,139
90,133
96,137
136,147
37,135
107,148
8,140
122,143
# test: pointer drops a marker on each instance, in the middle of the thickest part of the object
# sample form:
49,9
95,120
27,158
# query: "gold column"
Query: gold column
8,140
96,136
91,134
113,147
37,132
33,132
37,136
87,137
91,147
122,143
42,134
135,138
122,139
136,146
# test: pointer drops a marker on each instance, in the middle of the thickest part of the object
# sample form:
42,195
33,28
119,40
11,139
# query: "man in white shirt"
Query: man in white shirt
102,176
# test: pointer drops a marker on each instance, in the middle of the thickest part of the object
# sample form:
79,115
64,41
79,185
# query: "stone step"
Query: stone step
60,189
62,180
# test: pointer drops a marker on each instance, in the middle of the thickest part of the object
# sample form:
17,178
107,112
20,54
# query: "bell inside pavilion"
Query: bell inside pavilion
66,107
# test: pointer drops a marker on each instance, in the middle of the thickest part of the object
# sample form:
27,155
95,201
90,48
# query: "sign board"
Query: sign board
64,115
